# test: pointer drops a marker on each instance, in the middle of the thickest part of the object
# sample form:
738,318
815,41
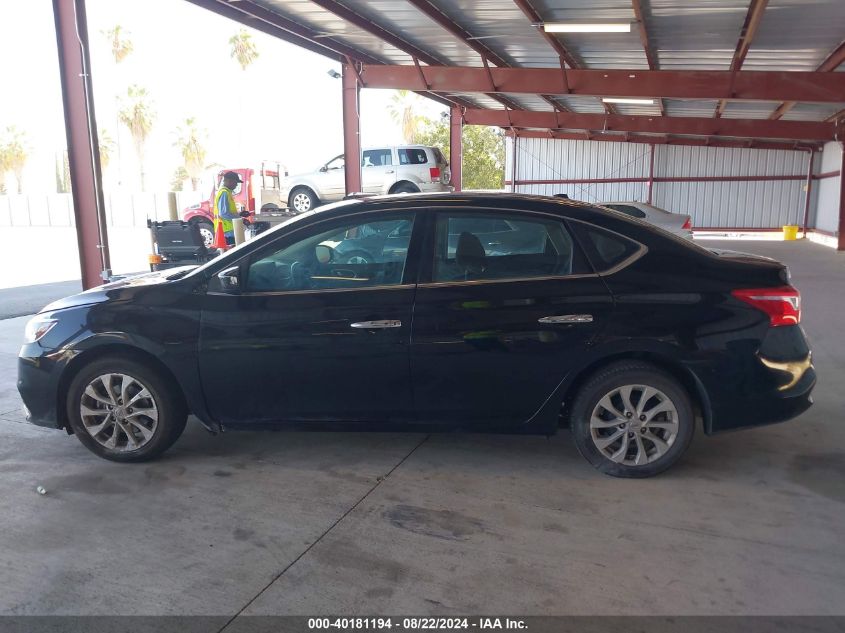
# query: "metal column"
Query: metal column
650,172
456,147
83,149
351,129
840,243
811,154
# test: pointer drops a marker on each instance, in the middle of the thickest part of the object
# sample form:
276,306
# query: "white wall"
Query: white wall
827,200
757,204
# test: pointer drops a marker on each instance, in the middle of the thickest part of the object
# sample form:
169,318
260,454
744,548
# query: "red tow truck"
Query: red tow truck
260,189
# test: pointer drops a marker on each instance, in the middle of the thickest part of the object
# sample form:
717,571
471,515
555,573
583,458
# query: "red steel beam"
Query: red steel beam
456,153
643,179
673,84
394,40
351,130
667,140
534,17
445,22
83,151
695,126
835,59
565,55
749,29
836,117
650,56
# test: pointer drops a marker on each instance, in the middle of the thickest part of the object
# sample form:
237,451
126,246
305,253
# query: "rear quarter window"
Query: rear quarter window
605,249
412,156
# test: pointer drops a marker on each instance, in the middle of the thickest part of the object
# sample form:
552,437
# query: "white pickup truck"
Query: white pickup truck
400,169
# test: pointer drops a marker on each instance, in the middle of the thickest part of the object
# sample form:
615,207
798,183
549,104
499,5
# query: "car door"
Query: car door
309,335
330,180
378,172
500,317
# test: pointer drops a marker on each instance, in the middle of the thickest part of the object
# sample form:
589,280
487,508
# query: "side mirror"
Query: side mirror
324,253
324,168
228,279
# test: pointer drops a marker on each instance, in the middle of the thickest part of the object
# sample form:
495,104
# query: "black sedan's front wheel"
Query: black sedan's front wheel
632,420
124,410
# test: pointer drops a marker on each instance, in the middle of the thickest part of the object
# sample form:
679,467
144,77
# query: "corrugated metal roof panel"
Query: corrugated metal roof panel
796,34
749,109
329,25
813,111
582,104
680,107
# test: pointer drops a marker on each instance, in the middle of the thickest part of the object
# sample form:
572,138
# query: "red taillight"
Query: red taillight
687,225
783,304
435,174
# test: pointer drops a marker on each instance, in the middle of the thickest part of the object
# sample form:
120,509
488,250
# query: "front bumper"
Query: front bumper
38,385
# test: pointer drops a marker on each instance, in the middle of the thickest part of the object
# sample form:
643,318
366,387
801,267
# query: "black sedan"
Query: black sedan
498,313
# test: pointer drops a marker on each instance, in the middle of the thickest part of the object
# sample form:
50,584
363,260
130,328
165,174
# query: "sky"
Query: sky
285,107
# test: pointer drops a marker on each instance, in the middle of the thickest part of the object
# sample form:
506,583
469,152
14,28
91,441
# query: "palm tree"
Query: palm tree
243,49
190,143
13,155
106,145
137,115
402,110
121,45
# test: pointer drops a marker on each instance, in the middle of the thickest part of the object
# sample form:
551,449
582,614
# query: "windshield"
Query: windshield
232,255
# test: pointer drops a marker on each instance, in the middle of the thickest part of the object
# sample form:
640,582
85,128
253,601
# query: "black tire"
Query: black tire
207,232
406,187
638,374
298,197
171,418
270,207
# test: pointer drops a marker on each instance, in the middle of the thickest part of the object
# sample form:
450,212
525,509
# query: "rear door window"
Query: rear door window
470,246
376,158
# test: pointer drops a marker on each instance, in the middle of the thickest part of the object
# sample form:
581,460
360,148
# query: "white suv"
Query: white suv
402,169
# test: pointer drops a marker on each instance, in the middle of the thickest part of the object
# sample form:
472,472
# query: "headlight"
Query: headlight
37,328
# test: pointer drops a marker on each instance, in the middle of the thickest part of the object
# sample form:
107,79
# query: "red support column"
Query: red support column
513,162
840,245
811,153
456,147
351,129
83,150
650,172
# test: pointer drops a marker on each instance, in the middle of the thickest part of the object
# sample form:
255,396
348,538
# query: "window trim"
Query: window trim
428,265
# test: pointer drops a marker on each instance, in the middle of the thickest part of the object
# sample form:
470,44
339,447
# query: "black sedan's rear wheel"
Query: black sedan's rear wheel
632,420
124,411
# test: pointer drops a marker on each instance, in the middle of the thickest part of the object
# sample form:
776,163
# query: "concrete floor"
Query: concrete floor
295,523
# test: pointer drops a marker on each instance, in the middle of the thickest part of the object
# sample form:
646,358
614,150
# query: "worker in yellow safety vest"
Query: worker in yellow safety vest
225,209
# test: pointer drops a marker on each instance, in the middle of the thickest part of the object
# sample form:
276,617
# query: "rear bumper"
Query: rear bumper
429,187
792,398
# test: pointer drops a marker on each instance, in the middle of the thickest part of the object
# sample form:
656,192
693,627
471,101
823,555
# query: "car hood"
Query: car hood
119,289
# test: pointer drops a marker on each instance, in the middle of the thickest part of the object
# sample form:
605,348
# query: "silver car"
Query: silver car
384,170
676,223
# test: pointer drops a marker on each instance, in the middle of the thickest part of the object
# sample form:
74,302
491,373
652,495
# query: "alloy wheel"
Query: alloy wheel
301,202
119,412
634,425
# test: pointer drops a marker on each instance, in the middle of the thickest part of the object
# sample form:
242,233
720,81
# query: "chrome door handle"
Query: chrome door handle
567,318
375,325
389,172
